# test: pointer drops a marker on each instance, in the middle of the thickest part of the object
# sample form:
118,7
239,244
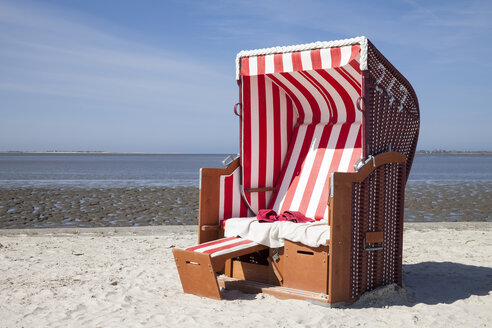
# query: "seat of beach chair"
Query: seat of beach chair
273,234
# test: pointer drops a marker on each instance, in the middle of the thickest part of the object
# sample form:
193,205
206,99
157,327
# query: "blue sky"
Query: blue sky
159,76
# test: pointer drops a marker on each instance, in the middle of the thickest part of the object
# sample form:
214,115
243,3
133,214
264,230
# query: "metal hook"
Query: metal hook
361,104
236,107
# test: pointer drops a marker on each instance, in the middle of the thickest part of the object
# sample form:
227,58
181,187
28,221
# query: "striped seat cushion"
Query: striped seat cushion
223,246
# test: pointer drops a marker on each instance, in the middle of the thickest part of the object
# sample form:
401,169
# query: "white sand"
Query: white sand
126,277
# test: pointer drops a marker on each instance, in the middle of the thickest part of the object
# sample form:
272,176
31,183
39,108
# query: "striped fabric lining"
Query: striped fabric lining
291,103
231,203
322,83
315,152
223,246
323,96
267,122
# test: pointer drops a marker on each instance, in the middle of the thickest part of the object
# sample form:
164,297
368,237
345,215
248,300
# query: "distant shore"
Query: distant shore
418,152
454,152
89,152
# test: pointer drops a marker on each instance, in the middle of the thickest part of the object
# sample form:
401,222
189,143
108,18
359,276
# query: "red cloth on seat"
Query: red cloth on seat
267,216
294,216
271,216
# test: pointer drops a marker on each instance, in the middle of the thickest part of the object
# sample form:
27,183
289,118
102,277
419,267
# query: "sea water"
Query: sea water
441,187
103,170
173,170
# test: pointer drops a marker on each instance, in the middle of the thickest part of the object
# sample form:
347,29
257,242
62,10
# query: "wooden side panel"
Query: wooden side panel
209,200
254,272
339,288
196,273
374,237
306,268
340,242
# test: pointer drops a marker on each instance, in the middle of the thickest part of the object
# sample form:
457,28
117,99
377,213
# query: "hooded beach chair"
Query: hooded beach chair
327,129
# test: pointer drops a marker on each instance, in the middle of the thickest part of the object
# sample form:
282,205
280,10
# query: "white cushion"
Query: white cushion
273,234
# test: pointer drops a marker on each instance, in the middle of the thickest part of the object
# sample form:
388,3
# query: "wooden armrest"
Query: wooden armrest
215,173
208,215
369,167
210,227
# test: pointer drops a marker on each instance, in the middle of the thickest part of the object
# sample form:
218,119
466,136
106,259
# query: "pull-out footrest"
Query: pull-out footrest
198,265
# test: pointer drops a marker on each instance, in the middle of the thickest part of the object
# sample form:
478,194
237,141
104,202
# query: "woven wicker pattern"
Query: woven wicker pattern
377,207
391,124
392,110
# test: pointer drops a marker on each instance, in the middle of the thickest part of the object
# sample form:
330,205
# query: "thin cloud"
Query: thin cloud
43,53
63,72
427,26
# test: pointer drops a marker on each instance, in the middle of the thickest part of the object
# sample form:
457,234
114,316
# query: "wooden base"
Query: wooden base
306,267
254,272
253,287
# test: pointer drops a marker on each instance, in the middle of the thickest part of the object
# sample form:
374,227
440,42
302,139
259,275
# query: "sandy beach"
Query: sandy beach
125,277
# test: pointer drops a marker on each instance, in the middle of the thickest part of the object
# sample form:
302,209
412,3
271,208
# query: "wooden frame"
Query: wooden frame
329,276
365,211
341,225
208,210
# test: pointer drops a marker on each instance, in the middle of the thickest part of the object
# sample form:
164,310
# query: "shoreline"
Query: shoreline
418,152
163,230
95,152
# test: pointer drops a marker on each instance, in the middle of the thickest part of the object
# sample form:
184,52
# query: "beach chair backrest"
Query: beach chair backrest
299,124
315,152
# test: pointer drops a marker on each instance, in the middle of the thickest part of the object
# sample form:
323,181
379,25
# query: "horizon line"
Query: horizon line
95,152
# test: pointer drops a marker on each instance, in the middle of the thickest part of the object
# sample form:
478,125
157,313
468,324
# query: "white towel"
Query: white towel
273,234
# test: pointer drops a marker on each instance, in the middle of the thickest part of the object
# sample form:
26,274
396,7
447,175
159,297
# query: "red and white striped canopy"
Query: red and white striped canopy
278,59
299,124
307,60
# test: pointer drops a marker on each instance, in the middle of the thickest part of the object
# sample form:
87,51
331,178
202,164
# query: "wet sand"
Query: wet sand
104,207
448,201
155,206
